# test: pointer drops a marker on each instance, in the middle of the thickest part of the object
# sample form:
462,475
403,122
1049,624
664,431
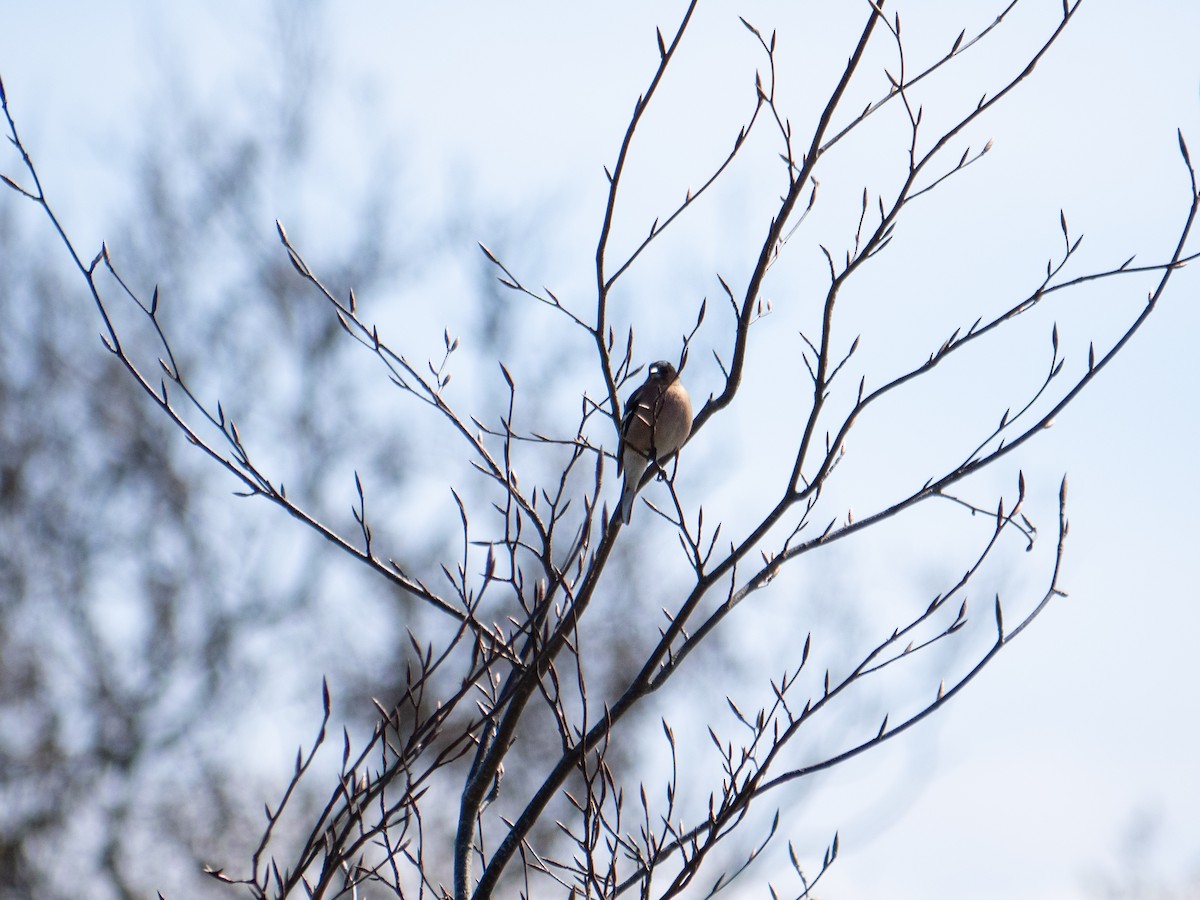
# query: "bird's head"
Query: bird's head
662,370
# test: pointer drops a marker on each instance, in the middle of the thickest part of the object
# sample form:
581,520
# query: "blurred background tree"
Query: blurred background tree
149,625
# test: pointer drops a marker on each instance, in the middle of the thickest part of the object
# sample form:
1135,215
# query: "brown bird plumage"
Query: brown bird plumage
658,419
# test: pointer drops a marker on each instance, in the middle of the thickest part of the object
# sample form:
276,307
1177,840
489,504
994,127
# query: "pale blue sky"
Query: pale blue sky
1031,778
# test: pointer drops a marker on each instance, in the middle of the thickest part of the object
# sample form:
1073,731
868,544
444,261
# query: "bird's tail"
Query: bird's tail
633,465
627,496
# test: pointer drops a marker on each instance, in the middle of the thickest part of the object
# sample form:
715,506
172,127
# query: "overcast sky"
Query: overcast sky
1083,731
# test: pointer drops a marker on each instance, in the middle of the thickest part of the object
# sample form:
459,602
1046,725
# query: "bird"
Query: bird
657,421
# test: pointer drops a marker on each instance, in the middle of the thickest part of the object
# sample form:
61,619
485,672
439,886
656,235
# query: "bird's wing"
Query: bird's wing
638,400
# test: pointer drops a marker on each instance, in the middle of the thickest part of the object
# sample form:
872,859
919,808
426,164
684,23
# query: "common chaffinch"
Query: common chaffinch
658,419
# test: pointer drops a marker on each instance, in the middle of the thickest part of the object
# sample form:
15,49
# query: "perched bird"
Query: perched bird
658,419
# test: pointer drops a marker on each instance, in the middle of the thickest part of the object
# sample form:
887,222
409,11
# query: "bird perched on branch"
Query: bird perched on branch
658,419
